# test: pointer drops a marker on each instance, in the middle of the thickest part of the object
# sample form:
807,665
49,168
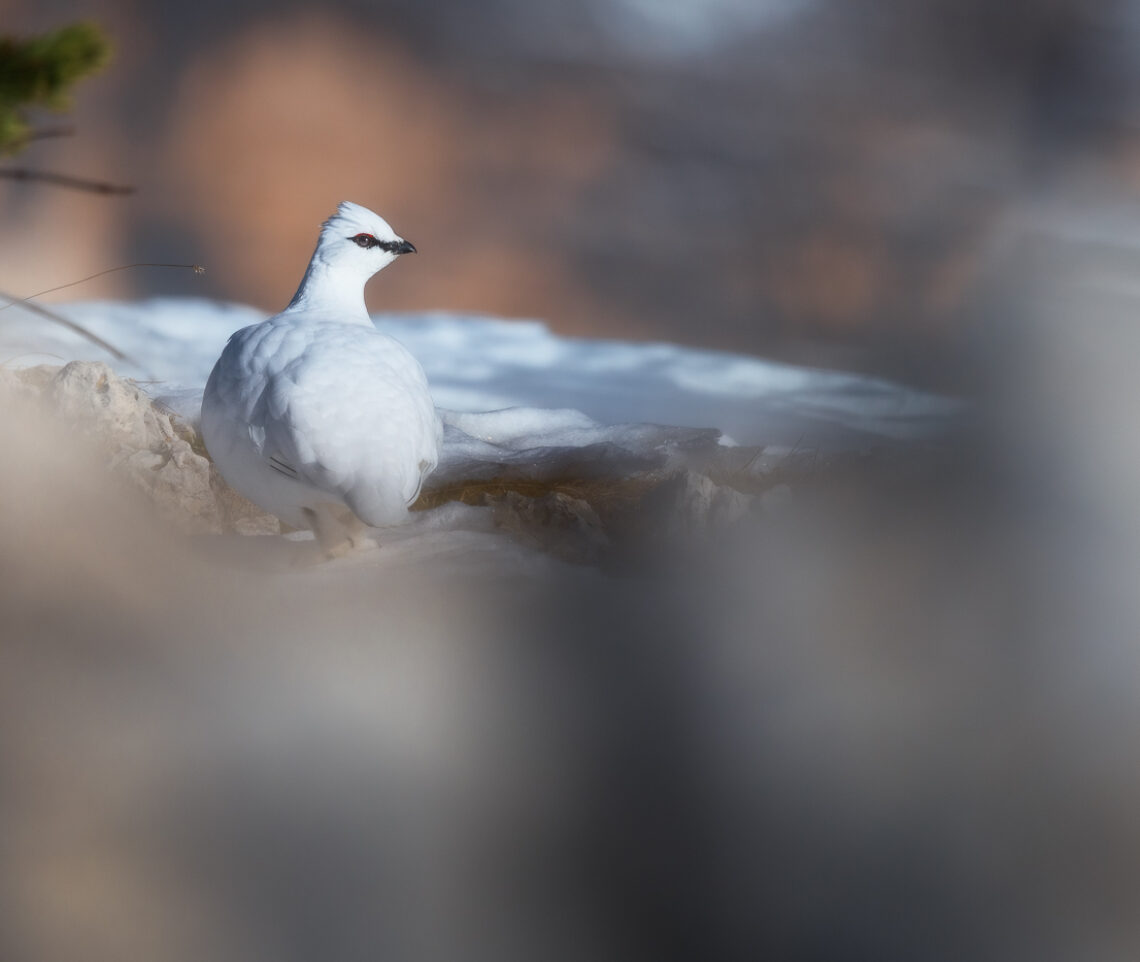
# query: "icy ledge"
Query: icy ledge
479,364
585,496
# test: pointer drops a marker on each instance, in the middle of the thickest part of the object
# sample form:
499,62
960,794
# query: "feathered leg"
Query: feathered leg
338,530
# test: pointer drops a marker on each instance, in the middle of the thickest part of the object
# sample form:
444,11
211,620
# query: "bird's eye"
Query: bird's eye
365,240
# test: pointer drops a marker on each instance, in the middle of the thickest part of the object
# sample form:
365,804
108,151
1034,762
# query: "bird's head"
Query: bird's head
360,241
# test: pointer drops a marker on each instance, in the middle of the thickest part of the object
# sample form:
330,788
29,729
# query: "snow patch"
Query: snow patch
482,364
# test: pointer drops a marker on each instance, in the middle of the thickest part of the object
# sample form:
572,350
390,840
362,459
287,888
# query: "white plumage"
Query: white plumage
314,410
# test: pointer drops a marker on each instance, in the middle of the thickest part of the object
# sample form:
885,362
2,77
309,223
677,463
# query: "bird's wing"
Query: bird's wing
351,414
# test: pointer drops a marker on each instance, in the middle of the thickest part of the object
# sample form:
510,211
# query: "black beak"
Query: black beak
405,247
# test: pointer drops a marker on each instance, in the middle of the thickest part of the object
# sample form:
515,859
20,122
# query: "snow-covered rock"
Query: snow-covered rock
546,436
518,463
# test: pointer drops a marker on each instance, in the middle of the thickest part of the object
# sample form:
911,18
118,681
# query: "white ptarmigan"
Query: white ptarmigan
314,411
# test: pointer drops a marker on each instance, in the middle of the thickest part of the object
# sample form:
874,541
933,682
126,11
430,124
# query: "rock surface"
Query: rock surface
574,514
692,507
147,447
565,527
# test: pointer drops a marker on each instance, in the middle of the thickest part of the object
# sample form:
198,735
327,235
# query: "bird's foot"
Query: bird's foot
338,533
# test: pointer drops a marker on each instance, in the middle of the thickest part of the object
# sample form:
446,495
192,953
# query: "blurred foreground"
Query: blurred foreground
895,719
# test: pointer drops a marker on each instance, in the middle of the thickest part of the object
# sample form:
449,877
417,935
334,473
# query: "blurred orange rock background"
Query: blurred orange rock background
806,179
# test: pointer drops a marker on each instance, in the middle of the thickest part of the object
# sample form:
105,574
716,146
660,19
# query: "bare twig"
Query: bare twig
42,133
78,329
196,268
64,180
17,357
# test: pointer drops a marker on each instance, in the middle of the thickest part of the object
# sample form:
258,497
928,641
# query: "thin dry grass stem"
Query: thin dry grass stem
71,325
64,180
43,133
196,268
17,357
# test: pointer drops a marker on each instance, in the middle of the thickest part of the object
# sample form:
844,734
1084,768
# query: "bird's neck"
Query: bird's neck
327,289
